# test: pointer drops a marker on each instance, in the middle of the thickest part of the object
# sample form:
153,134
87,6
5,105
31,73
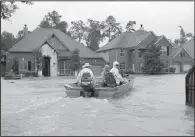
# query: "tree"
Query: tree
93,36
189,35
8,8
7,40
111,28
152,64
184,37
129,26
53,20
78,29
177,41
75,61
45,23
38,60
15,66
62,26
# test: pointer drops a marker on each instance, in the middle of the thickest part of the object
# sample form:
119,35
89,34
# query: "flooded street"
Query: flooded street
155,107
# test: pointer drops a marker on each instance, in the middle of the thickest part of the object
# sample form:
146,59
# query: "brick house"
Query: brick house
128,49
183,56
56,47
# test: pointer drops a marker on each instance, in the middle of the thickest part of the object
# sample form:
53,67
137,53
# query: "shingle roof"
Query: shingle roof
40,35
125,40
189,46
175,50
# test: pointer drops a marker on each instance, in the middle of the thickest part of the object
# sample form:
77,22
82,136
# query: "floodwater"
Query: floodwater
155,107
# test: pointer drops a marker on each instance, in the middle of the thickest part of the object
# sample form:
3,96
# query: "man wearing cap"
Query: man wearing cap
86,80
119,79
85,70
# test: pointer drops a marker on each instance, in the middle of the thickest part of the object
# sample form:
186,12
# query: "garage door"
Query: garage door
177,66
96,70
186,67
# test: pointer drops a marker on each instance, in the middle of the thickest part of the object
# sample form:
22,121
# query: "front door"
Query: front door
46,66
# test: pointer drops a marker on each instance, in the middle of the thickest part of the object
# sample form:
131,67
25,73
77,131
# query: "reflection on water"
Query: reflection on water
155,106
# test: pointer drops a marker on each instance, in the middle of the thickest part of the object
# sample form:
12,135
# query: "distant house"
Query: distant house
129,47
182,60
56,47
184,56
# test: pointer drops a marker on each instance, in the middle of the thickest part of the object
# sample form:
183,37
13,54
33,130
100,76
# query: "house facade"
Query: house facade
56,48
183,56
129,47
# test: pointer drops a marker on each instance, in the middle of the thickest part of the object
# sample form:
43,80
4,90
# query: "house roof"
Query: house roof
39,36
189,46
177,50
125,40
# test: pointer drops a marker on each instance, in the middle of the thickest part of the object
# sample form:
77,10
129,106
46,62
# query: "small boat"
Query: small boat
73,90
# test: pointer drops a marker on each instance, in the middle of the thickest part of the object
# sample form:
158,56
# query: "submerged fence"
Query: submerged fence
189,83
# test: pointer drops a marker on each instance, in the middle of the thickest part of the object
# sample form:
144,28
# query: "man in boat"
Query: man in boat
86,79
115,71
105,71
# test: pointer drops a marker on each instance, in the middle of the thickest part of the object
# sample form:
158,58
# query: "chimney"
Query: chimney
141,28
25,30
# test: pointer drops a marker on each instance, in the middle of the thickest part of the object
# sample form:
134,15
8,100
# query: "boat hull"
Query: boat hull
72,90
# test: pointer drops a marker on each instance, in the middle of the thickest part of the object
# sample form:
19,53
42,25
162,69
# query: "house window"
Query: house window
163,50
122,66
167,50
29,66
182,54
122,53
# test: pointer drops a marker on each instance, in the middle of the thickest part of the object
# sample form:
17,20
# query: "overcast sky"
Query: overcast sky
161,17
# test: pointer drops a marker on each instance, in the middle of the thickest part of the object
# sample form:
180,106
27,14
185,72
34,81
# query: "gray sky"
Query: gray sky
161,17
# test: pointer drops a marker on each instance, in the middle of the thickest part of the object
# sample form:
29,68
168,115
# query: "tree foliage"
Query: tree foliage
8,8
53,20
93,35
7,40
78,30
184,37
75,60
130,25
111,28
151,57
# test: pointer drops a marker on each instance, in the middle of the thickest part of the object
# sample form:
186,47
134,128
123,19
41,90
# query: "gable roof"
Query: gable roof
177,50
125,40
189,46
39,36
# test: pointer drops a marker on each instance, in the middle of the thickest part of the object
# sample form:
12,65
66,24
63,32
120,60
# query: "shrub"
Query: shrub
172,69
152,64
